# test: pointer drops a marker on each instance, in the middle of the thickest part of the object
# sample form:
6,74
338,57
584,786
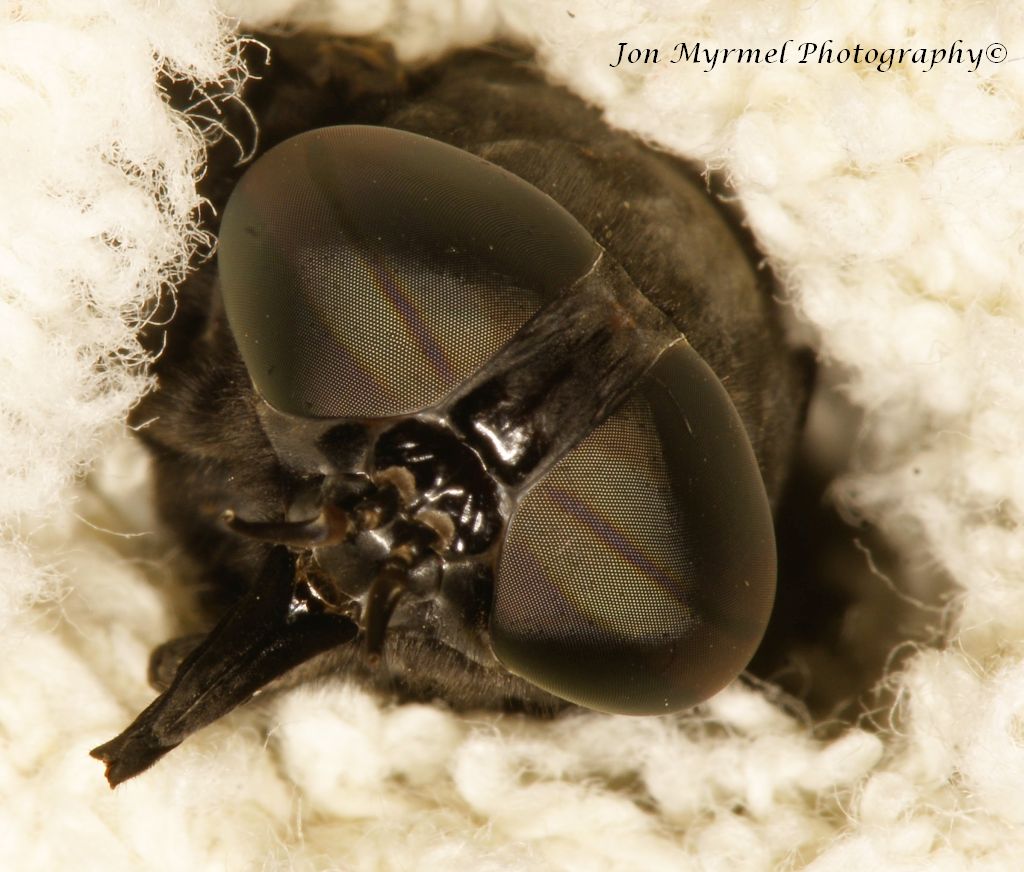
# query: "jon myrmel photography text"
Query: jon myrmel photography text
827,52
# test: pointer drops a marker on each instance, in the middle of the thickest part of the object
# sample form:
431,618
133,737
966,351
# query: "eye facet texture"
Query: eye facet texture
366,271
638,576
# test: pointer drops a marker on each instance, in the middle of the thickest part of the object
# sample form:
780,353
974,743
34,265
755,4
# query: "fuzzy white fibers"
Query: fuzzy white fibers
892,205
96,218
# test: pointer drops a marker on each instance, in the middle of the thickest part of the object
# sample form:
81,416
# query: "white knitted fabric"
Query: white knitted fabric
892,205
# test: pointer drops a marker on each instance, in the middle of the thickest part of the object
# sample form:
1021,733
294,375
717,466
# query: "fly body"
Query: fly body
481,401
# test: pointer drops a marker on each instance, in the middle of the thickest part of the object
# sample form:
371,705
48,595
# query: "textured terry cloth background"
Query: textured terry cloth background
892,204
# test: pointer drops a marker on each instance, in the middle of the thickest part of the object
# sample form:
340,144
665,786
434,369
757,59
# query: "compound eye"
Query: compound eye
366,271
638,576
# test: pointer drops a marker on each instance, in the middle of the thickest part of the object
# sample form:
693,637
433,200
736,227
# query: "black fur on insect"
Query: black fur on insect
429,546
